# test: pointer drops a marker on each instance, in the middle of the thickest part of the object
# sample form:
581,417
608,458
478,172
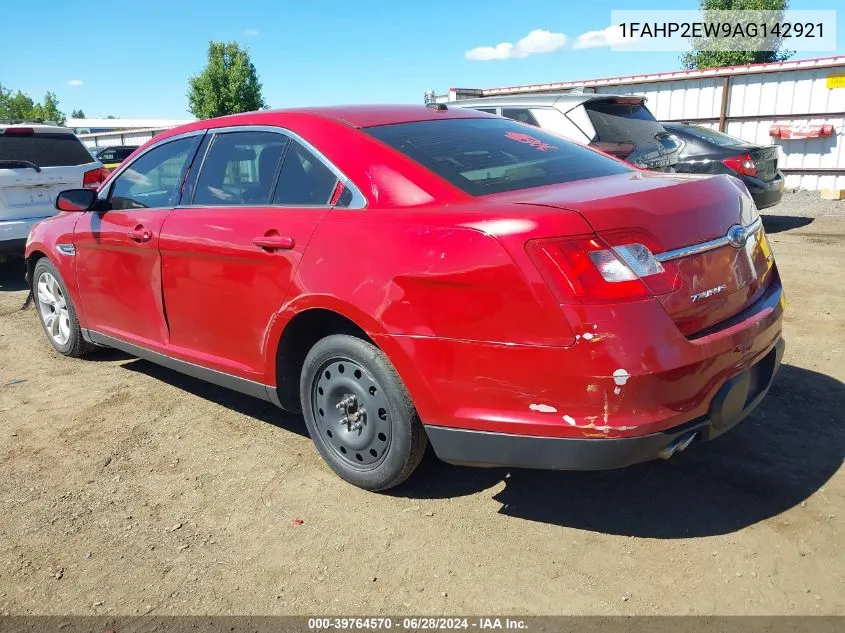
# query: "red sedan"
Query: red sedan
406,275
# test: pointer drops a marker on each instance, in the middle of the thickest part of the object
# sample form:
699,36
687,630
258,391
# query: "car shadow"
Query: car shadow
232,400
774,460
779,223
788,449
12,274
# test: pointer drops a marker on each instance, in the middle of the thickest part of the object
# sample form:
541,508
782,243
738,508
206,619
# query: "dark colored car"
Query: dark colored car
113,156
619,125
403,275
707,151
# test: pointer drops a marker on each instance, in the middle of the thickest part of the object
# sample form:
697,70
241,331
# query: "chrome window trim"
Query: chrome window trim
105,193
703,247
358,200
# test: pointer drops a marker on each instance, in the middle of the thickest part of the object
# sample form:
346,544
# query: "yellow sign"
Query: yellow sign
835,81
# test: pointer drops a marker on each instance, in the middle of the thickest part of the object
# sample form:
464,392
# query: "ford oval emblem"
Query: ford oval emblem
737,236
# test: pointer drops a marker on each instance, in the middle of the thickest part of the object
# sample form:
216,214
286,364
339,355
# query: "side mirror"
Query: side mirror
76,200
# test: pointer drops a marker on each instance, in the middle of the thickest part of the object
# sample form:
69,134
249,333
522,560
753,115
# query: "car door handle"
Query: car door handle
140,234
274,242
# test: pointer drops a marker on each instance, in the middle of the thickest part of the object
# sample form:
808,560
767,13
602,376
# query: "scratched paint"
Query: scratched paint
542,408
588,336
569,420
620,377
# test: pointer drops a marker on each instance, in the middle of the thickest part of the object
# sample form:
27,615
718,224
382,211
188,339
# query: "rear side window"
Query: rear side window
240,169
45,149
484,156
622,122
304,179
707,135
523,115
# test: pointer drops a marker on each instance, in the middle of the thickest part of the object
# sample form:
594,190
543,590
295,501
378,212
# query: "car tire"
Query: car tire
56,311
359,413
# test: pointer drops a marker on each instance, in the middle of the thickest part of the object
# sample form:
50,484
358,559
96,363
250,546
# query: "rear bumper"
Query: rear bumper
733,402
765,194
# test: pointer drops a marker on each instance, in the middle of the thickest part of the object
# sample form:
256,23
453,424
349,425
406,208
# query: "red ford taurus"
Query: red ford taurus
406,275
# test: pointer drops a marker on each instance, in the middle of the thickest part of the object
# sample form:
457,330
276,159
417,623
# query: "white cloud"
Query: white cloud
611,36
74,82
251,32
536,42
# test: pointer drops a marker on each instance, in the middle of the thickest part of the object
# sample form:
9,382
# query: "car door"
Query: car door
230,251
117,259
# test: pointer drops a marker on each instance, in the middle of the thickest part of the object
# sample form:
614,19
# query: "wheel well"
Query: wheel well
31,261
300,335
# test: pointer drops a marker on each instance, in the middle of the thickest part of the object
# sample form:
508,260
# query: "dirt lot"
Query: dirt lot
126,488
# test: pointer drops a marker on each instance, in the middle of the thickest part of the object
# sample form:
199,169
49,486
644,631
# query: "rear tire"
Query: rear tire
359,413
56,311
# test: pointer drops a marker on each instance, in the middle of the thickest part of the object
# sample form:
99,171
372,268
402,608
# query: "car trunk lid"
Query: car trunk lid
685,222
765,161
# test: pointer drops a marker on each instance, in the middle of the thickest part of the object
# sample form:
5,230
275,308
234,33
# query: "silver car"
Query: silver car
620,125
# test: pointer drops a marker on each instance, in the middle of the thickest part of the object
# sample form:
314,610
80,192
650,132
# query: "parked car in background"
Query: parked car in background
618,125
114,155
408,274
707,151
36,163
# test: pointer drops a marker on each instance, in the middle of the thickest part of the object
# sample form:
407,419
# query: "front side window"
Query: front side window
304,179
240,169
483,156
154,180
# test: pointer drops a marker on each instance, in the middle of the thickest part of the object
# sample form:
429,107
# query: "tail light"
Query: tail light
629,100
743,164
18,131
615,267
620,150
94,178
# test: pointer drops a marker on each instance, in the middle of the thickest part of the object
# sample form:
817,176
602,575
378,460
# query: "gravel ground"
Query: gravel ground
806,204
128,489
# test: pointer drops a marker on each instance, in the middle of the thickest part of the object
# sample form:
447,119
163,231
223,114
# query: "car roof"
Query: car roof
351,115
543,99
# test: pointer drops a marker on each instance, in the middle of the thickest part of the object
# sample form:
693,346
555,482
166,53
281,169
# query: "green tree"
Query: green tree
48,110
77,114
227,85
703,55
20,106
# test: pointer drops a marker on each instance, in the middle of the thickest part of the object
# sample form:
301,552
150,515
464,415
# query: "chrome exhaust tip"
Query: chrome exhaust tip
677,445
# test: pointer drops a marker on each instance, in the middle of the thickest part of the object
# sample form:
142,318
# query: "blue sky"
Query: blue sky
133,59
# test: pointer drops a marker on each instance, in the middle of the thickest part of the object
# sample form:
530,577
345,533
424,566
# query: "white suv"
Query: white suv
36,163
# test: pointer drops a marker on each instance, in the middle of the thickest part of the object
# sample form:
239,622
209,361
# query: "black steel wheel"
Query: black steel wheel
359,413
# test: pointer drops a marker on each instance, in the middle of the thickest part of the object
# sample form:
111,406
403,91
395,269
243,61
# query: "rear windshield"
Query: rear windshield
622,122
707,135
46,149
484,156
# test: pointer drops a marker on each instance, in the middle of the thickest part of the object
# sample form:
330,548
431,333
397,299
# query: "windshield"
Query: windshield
485,156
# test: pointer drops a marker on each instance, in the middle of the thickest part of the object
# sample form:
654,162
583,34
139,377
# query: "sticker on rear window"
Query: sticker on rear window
530,140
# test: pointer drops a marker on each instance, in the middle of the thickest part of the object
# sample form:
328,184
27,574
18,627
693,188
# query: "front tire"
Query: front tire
359,413
56,311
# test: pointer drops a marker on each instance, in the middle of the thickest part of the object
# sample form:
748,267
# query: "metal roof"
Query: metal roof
567,99
748,69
